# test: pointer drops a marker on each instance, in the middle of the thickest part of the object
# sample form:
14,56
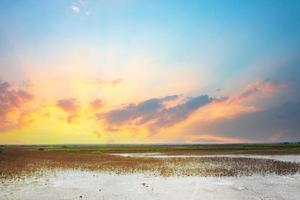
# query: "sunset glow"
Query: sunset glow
149,72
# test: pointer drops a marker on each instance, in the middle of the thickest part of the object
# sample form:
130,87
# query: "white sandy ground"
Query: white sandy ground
71,184
286,158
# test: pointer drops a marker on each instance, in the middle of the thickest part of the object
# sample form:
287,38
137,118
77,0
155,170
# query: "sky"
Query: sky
138,71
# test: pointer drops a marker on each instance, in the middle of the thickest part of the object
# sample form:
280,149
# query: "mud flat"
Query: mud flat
80,173
77,184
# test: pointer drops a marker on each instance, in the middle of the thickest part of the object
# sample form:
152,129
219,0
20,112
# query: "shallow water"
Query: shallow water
286,158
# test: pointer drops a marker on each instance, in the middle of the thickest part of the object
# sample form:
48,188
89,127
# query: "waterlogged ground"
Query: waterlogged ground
75,184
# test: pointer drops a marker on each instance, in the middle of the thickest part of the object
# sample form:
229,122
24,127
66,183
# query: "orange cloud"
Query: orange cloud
241,103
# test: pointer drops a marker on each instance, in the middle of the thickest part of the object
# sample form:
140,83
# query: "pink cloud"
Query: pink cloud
96,104
13,106
70,106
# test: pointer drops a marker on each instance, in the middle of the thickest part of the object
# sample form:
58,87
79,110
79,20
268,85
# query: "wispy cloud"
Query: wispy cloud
244,101
113,83
75,8
80,6
263,87
279,123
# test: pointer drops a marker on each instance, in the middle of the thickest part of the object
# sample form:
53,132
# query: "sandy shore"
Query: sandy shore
74,184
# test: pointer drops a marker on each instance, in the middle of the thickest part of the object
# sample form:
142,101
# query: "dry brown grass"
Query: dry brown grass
20,163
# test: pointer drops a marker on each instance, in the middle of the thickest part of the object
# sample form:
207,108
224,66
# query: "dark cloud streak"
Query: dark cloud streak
155,112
